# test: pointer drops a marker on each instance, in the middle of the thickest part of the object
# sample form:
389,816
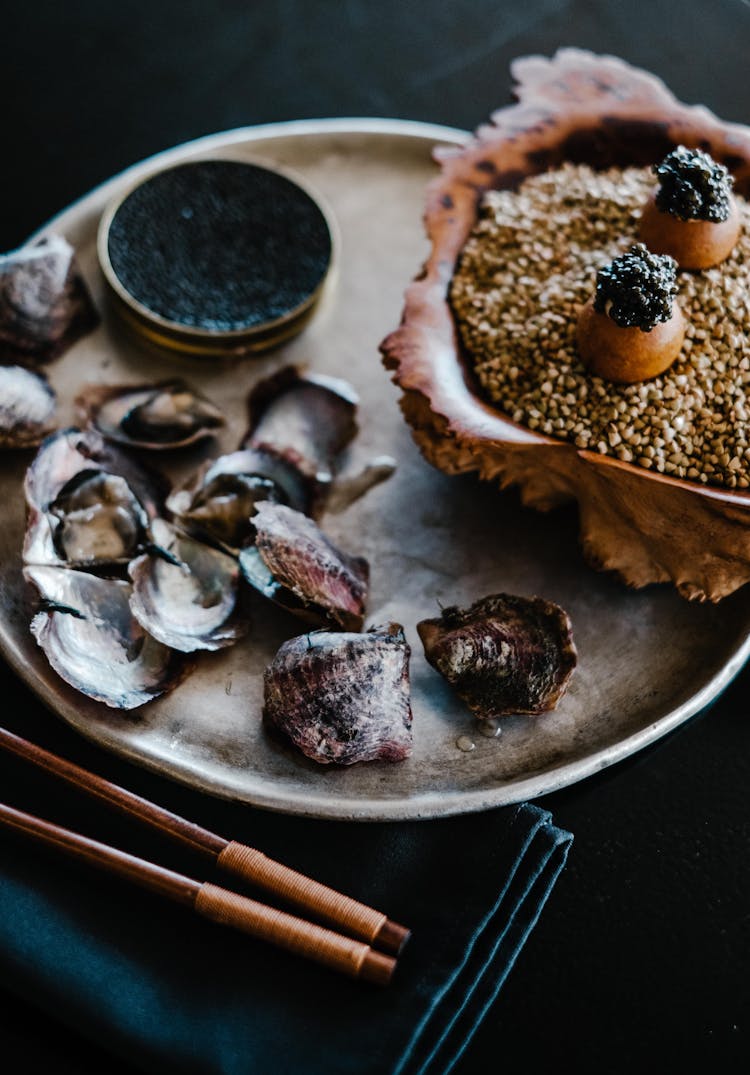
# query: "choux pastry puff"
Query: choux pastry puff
632,329
692,215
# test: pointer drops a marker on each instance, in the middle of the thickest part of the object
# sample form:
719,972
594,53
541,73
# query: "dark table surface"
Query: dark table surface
640,959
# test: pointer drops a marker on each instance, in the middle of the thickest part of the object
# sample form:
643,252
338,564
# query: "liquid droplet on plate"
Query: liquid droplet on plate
464,743
490,728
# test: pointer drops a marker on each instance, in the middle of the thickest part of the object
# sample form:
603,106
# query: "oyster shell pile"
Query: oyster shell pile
90,511
299,426
176,570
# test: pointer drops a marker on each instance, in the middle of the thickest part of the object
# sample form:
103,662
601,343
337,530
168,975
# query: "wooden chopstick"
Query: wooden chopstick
343,954
237,859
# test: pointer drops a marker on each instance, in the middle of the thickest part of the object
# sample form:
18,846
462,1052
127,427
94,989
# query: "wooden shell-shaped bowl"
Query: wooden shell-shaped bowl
642,525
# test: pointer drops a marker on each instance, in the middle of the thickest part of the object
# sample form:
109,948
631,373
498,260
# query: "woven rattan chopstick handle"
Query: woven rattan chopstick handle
325,903
303,938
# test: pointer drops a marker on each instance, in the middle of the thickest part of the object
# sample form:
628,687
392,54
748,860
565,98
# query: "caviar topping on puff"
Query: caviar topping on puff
632,329
692,215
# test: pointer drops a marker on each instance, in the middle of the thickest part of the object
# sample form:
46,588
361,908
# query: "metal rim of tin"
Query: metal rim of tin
176,336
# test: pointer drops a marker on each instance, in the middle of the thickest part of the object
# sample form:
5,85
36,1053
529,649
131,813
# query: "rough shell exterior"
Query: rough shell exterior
506,654
295,564
643,526
343,698
305,420
44,303
27,407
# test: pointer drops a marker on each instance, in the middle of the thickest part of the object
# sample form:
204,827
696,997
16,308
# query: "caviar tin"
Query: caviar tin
217,257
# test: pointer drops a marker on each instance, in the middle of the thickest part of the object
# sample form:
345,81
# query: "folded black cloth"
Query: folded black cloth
170,992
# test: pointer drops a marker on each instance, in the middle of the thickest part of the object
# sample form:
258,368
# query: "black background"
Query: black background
640,959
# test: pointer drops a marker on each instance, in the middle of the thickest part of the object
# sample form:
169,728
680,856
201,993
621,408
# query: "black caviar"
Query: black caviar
220,245
637,288
692,186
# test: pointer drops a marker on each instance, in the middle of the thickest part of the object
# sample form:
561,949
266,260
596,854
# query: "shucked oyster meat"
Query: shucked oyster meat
44,304
161,416
27,407
343,698
93,641
185,593
505,654
89,504
294,564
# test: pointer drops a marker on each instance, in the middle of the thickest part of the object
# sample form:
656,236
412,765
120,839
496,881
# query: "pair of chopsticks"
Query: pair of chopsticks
366,947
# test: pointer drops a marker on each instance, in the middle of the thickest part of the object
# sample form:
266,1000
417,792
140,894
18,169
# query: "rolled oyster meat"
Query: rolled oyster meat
256,503
27,407
157,417
94,508
44,304
89,505
185,593
294,564
343,698
503,655
93,641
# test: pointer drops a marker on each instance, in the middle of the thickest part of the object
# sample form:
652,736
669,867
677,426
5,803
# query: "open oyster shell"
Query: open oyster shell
343,698
217,503
185,593
44,304
27,407
295,565
299,425
157,417
306,419
93,641
89,504
506,654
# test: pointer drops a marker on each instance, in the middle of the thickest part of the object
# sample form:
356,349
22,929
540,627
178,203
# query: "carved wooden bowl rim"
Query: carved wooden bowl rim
578,107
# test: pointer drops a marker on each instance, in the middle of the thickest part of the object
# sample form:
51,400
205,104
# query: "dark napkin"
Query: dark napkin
169,992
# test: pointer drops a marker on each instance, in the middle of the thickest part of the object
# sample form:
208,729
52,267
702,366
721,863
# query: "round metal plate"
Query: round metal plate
648,661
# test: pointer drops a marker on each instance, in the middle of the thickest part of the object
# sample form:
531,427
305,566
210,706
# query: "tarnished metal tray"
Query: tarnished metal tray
649,660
